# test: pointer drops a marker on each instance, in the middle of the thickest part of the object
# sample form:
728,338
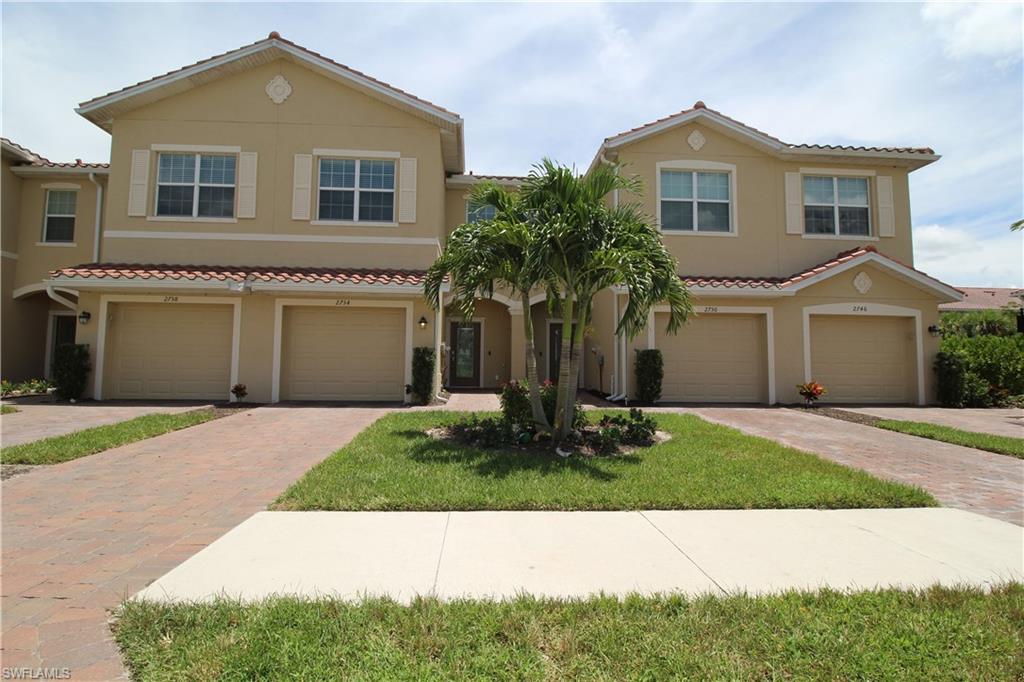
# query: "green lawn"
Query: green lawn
90,441
8,409
1004,445
937,634
394,465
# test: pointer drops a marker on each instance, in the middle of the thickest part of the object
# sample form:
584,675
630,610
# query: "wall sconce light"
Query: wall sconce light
423,323
933,330
84,317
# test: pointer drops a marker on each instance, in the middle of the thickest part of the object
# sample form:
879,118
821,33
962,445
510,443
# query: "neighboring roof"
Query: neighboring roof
987,298
101,110
171,275
914,157
38,162
841,262
468,180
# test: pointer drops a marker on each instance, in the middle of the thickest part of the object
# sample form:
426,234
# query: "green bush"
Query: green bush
515,404
979,323
70,370
649,374
958,386
999,360
422,374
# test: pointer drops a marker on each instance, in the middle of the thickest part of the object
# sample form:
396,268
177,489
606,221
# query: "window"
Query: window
476,212
695,201
59,223
195,186
836,206
357,190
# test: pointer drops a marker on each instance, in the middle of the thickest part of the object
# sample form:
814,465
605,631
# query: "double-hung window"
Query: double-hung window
195,185
695,201
357,190
476,212
836,206
59,221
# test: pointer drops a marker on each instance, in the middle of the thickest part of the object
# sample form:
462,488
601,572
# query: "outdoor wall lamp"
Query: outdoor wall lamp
423,323
933,330
84,317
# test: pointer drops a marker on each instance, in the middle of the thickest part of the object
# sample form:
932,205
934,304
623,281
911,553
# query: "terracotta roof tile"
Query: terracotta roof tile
42,161
987,298
274,35
239,273
824,147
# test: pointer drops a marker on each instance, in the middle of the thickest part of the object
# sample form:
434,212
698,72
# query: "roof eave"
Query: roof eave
35,171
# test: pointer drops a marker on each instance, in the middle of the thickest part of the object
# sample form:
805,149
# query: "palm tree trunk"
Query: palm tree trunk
540,419
563,426
583,314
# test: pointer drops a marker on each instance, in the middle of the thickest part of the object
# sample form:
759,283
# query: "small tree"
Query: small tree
71,370
423,358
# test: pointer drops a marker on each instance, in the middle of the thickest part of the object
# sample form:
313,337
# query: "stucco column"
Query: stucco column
517,347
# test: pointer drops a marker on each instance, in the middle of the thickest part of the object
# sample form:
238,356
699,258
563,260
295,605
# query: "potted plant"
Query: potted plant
811,391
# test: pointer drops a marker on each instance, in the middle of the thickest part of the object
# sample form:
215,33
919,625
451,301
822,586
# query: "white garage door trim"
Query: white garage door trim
769,320
101,334
275,381
855,309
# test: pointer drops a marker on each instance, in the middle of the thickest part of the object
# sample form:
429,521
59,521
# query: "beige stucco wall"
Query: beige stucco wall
886,289
761,247
256,340
23,323
319,113
10,206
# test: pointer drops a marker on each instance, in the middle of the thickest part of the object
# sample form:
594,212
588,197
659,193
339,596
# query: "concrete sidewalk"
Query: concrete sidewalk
574,554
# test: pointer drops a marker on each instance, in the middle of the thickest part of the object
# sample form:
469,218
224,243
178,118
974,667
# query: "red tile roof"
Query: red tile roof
782,283
824,147
41,161
987,298
274,35
239,273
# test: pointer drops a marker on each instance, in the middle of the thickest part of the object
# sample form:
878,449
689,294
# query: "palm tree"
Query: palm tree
1017,226
586,246
481,255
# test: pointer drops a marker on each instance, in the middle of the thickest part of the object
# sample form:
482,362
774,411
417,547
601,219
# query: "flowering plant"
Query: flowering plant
239,391
811,391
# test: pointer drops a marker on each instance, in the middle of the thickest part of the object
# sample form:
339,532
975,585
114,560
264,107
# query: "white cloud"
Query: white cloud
977,29
956,255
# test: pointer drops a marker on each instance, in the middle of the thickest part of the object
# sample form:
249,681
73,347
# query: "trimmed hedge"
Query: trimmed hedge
71,370
650,371
423,359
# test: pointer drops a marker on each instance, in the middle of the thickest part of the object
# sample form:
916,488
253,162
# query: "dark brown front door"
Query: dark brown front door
464,355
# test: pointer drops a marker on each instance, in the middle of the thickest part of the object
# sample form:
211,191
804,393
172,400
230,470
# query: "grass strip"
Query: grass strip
1003,445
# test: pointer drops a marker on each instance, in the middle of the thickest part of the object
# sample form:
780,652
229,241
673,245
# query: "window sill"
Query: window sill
350,223
64,244
187,219
696,233
841,237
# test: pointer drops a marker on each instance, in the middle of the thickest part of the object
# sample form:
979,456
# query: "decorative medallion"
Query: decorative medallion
862,282
278,89
696,140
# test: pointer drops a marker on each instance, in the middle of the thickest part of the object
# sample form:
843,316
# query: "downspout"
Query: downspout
99,213
52,293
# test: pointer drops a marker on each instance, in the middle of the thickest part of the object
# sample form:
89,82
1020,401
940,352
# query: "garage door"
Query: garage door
719,358
864,359
169,351
343,354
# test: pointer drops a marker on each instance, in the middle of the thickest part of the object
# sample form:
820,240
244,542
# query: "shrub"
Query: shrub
649,374
6,388
487,432
999,360
515,404
979,323
636,429
239,391
958,386
70,370
422,374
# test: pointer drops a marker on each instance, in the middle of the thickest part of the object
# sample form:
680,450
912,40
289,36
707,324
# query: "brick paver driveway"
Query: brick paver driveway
81,536
975,480
42,419
1002,422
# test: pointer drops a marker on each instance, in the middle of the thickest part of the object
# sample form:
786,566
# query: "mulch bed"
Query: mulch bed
544,446
842,415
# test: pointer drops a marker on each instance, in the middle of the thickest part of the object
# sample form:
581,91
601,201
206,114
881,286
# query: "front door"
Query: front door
465,354
63,332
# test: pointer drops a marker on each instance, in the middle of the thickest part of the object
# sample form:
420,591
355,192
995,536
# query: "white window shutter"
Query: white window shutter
794,204
301,185
886,212
407,190
138,184
247,185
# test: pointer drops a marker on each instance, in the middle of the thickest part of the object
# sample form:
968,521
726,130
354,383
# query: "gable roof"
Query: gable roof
103,109
33,163
914,157
785,286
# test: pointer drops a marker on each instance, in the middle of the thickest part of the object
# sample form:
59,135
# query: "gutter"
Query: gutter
52,293
99,213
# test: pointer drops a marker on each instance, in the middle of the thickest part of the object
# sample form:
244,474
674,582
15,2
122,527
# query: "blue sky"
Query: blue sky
555,79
